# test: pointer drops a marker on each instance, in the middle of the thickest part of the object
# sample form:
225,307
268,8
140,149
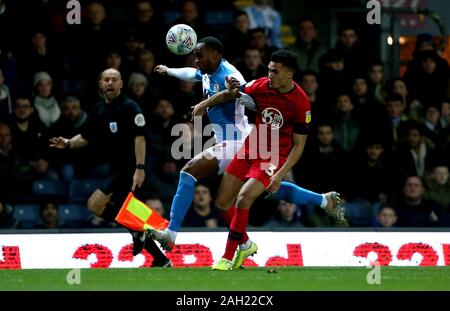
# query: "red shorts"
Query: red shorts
261,170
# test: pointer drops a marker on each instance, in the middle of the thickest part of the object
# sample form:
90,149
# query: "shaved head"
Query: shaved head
111,71
110,84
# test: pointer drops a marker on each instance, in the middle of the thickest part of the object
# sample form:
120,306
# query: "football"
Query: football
181,39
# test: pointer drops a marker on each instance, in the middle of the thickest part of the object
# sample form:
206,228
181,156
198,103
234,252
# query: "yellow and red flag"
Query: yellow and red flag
135,215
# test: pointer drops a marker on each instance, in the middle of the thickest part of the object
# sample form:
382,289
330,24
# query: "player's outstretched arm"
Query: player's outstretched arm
73,143
186,73
216,99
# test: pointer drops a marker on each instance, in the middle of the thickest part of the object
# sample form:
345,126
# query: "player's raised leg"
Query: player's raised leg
201,166
329,201
249,192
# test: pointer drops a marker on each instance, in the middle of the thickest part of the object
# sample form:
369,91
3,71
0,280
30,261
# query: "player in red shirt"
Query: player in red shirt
283,113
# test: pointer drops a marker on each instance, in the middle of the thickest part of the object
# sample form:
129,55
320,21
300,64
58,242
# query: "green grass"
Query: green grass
392,278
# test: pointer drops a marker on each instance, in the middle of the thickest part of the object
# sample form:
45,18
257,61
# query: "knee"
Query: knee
243,201
221,204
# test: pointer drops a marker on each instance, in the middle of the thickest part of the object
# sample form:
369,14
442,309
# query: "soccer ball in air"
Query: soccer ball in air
181,39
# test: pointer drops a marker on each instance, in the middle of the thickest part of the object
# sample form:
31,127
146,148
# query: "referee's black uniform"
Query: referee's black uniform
111,130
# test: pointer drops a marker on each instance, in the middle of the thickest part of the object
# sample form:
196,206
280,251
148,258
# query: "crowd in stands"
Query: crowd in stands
382,142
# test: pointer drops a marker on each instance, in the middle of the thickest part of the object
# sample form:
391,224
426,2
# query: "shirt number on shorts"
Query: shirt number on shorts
271,169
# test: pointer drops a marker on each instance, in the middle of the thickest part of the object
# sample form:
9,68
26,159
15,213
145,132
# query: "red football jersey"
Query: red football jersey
283,112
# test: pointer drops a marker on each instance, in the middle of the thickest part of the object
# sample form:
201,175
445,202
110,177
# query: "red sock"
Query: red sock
237,233
227,217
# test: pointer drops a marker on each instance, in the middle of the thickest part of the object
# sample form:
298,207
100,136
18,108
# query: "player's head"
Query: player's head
208,54
110,83
282,67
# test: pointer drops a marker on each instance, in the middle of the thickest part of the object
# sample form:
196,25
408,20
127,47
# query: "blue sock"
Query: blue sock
182,200
292,193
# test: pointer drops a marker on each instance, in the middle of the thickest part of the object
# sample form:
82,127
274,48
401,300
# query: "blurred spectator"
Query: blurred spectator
237,37
114,60
39,58
348,45
160,129
415,157
251,66
308,48
433,129
70,163
320,168
187,95
309,83
346,125
159,83
132,47
138,91
429,84
262,15
372,175
377,81
16,174
386,217
202,213
412,106
332,79
438,186
49,218
145,27
288,216
5,99
164,180
258,40
413,210
445,113
157,205
45,103
29,136
190,15
7,220
398,120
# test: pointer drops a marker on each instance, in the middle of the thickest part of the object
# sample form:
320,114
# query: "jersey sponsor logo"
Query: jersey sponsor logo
139,120
113,127
216,88
308,117
272,117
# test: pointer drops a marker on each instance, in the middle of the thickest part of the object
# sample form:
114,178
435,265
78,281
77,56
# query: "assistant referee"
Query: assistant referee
116,127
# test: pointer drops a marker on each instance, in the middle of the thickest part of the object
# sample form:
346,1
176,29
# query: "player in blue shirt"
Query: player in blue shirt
231,127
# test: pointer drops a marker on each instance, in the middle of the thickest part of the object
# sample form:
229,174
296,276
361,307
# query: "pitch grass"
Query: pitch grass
250,279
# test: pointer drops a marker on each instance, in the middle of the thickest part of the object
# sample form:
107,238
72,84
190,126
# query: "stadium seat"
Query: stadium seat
73,215
358,213
170,17
46,189
219,17
27,215
81,190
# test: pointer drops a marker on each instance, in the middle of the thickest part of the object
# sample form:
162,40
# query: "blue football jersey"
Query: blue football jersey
228,119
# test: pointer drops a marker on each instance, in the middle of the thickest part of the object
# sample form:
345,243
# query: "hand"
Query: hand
138,179
2,207
199,109
59,142
161,69
233,86
275,183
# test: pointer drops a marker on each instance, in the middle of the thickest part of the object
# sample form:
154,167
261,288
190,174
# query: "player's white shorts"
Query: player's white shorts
225,152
